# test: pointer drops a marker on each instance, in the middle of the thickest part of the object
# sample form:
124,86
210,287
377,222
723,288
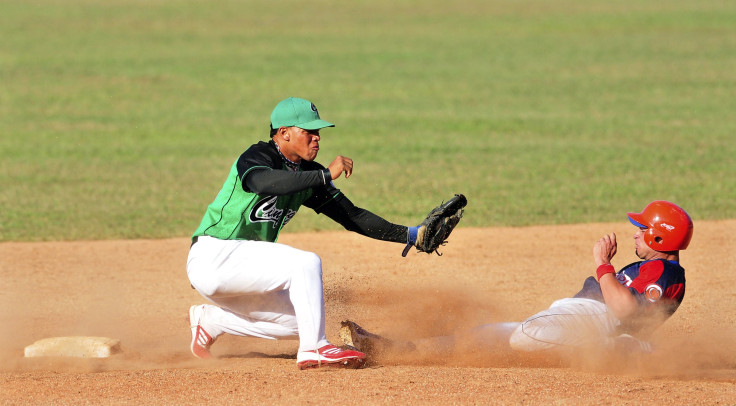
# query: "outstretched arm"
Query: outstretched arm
363,222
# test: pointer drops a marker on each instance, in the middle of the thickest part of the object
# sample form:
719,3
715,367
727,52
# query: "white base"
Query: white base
81,347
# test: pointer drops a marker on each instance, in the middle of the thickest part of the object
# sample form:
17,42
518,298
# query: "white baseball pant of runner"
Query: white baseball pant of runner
262,289
569,323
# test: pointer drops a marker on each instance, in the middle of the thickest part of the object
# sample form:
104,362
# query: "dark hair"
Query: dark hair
273,131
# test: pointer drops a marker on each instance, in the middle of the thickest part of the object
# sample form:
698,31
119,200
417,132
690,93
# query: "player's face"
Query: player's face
303,144
643,251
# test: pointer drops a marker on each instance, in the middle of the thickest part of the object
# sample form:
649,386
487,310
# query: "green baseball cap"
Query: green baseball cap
296,112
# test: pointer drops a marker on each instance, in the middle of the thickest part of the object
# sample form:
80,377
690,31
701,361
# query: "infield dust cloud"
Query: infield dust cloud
137,291
432,328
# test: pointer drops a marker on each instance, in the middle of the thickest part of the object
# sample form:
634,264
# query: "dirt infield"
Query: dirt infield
137,291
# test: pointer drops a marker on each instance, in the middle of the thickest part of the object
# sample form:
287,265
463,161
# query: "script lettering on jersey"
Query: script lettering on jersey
623,279
288,216
266,210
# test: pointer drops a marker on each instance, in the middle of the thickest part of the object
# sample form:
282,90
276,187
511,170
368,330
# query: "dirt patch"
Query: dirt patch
137,291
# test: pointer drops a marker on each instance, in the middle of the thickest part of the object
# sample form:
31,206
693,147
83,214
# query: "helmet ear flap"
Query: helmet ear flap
651,239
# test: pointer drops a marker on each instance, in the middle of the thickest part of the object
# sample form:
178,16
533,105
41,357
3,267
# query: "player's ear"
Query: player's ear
284,131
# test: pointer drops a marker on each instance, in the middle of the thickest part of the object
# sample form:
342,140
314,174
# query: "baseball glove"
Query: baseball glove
437,226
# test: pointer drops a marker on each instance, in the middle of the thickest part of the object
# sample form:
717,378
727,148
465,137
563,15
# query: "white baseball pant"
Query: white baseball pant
261,289
568,323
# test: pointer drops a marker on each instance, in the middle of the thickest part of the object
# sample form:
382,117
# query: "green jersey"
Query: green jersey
240,214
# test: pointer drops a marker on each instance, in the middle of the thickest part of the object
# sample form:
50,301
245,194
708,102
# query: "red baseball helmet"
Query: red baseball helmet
669,227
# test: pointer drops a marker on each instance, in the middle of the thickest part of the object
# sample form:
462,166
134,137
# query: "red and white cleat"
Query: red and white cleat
201,340
330,356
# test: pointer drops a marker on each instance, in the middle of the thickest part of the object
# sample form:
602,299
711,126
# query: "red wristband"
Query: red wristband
604,269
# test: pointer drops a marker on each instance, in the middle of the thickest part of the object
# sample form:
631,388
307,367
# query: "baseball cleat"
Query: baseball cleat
330,356
201,340
354,336
357,337
361,339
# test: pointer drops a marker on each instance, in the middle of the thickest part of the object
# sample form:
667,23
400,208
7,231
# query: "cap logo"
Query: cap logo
668,227
314,109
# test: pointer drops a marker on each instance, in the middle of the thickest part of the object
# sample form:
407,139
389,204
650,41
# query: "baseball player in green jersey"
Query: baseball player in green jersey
261,288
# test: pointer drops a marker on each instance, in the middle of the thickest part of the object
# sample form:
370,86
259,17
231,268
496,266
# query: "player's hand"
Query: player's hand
339,165
605,249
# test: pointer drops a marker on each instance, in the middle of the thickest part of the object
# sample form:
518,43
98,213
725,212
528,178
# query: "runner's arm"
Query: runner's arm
618,298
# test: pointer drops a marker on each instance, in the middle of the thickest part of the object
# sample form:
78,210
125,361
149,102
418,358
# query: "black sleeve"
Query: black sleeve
261,171
341,210
280,182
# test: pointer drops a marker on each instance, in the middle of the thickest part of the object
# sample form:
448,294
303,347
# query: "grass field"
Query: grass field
121,118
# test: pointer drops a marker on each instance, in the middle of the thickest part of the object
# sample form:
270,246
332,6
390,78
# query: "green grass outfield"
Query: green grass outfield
121,118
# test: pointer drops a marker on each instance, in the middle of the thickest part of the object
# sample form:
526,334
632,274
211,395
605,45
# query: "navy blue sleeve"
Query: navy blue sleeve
591,290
